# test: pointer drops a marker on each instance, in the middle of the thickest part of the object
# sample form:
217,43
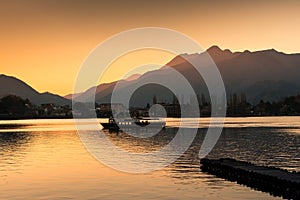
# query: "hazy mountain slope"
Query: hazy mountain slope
266,74
12,85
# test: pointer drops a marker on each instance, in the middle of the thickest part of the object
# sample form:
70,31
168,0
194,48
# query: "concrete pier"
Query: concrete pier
277,182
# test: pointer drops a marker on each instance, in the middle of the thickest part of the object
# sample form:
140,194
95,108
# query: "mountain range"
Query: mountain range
267,74
12,86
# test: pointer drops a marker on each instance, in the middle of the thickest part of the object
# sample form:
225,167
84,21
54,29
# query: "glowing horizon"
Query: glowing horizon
44,42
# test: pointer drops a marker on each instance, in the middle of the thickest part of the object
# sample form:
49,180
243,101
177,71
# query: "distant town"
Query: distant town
14,107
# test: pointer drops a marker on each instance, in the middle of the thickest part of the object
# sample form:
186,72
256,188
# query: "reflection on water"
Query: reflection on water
235,122
128,142
263,146
12,149
12,126
44,159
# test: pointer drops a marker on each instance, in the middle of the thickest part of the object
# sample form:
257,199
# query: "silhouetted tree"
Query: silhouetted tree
12,104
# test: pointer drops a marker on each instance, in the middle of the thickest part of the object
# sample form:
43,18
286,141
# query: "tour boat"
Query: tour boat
133,123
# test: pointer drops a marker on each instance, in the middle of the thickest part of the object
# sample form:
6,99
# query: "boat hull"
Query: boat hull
136,125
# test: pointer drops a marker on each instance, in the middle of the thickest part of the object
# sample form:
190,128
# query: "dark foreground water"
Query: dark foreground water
45,159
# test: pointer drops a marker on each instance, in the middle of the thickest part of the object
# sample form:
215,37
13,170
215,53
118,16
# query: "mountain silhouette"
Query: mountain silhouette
266,71
267,74
70,96
12,86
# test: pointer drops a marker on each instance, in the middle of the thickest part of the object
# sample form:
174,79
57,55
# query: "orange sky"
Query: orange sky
44,42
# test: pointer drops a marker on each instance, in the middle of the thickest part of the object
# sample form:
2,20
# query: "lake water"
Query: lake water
45,159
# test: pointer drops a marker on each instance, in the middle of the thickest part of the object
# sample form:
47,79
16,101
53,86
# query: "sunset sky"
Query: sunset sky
44,42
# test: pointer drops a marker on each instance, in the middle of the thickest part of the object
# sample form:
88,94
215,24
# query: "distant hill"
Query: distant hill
267,74
12,86
70,96
133,77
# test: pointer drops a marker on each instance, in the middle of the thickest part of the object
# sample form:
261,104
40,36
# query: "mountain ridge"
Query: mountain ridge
252,73
241,72
10,85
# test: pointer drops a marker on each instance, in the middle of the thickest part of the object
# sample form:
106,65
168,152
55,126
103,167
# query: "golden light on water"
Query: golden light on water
47,160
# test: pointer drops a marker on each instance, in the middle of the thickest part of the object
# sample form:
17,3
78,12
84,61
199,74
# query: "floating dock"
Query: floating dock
277,182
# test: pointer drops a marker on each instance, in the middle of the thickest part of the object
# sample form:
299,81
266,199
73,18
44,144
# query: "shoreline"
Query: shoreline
68,117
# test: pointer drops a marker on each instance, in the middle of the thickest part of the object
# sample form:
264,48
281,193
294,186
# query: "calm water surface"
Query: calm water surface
45,159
